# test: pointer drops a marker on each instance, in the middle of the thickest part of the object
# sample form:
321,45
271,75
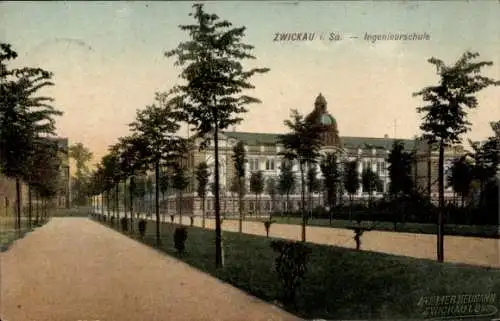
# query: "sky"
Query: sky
108,60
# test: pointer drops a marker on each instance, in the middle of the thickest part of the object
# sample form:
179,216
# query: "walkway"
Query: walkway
457,249
76,269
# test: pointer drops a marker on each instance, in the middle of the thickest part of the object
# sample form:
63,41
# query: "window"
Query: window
269,164
253,163
381,168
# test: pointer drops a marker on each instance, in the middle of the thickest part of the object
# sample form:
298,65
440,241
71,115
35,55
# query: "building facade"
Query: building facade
262,152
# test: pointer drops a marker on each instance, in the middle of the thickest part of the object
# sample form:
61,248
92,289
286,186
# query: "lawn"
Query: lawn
340,283
422,228
8,231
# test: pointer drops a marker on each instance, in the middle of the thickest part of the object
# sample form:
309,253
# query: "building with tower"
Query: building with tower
263,155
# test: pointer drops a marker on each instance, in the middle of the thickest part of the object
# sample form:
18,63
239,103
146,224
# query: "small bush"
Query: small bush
112,221
142,227
180,237
124,223
291,266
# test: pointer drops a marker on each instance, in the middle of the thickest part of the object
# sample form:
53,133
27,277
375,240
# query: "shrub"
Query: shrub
124,223
142,227
180,237
267,226
291,266
112,221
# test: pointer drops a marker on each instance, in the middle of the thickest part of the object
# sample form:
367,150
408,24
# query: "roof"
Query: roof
254,138
384,143
348,141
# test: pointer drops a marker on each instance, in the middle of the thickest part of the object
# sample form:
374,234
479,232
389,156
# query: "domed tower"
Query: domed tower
321,116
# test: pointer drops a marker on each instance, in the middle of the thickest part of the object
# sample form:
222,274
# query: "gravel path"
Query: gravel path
76,269
457,249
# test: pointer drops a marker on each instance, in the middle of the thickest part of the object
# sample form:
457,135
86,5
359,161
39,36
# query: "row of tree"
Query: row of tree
29,153
211,98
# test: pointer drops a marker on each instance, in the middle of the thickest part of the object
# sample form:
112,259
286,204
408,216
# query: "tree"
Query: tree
399,170
24,117
138,188
461,177
257,187
112,175
286,182
445,115
271,190
44,172
313,184
302,144
212,99
332,179
370,182
180,182
150,191
82,156
158,125
117,176
239,161
351,181
131,151
202,174
486,158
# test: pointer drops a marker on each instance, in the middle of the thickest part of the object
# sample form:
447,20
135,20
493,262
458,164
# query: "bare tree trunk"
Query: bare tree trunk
180,206
302,205
30,205
107,203
440,243
218,230
102,203
240,203
157,202
203,214
18,203
125,198
37,199
163,201
287,206
350,207
131,196
117,203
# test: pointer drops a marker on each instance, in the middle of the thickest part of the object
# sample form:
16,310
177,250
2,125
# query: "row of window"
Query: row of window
380,166
254,164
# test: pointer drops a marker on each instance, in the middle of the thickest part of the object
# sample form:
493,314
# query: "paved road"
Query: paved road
457,249
76,269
